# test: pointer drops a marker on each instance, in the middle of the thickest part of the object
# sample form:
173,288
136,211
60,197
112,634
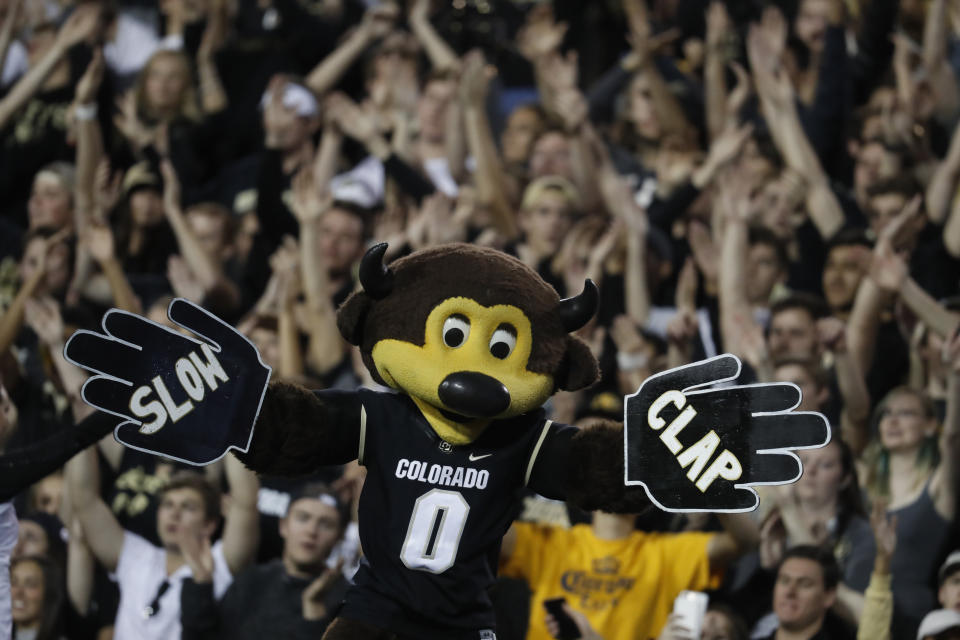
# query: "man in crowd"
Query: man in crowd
149,577
295,596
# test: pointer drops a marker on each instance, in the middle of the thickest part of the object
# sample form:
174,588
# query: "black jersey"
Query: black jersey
432,517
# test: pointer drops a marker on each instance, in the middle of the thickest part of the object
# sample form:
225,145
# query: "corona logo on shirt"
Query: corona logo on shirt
608,564
596,591
695,442
181,397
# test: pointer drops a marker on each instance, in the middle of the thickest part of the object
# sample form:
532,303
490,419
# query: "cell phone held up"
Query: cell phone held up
691,606
568,628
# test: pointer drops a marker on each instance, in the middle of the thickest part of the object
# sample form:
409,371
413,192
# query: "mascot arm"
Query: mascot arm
299,430
22,467
585,467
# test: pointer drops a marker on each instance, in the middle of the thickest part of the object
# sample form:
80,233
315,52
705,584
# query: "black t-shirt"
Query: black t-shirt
273,500
34,137
932,266
432,517
133,491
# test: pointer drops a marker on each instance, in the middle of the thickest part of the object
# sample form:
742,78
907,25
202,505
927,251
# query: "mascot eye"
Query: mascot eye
503,341
456,329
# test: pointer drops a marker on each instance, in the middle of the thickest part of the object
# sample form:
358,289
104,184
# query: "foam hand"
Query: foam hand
694,446
182,397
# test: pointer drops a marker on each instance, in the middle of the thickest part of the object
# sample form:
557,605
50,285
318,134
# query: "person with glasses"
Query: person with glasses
150,577
913,468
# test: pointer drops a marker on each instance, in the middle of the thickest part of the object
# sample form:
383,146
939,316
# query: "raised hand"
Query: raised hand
89,83
128,122
8,415
884,533
80,26
215,33
196,550
182,280
316,591
351,119
694,446
475,77
107,191
541,34
43,316
706,254
773,540
378,20
832,334
186,398
98,239
307,203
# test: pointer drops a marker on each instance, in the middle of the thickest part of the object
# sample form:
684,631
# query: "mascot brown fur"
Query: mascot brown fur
474,342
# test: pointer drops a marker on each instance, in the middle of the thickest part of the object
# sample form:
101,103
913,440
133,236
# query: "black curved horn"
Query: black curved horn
376,278
577,311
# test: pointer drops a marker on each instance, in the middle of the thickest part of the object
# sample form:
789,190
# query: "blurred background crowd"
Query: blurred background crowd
777,179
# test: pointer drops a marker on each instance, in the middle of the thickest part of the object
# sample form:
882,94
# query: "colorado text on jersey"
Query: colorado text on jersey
442,474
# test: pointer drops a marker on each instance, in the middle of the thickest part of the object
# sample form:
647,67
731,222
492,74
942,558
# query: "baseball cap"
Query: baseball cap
141,175
937,622
323,493
951,563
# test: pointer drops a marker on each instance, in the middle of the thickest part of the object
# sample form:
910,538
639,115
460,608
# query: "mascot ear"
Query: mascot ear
579,368
350,316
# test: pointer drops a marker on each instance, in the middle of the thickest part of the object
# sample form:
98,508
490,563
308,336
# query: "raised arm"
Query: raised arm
877,613
213,97
377,22
740,535
12,320
12,21
326,348
855,415
669,112
299,430
886,275
944,485
204,267
100,526
778,103
951,231
98,240
442,56
714,68
491,189
737,326
241,529
619,201
89,152
942,187
43,316
81,25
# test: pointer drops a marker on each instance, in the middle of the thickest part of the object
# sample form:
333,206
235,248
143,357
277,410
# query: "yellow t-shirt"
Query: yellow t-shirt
625,587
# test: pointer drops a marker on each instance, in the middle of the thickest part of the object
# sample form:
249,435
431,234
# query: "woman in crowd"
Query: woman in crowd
37,597
913,468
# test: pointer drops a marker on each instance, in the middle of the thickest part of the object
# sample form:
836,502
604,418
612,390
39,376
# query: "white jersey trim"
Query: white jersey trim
536,451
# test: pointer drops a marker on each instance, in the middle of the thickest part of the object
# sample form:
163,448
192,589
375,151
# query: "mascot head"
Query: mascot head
470,334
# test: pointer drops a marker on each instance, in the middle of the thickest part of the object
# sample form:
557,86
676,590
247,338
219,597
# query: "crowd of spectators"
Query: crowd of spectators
776,179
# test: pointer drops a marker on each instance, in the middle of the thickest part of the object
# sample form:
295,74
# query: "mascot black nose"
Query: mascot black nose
474,394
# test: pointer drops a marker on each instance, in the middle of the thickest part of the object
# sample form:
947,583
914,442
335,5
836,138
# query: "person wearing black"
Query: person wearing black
804,591
295,596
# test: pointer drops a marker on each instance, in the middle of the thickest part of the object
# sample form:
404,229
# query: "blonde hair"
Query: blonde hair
189,106
877,457
558,184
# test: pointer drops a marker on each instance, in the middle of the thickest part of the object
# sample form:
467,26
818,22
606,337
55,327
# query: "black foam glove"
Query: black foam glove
180,397
697,447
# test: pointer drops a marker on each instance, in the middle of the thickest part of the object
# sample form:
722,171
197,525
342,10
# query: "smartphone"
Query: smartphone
691,606
568,628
